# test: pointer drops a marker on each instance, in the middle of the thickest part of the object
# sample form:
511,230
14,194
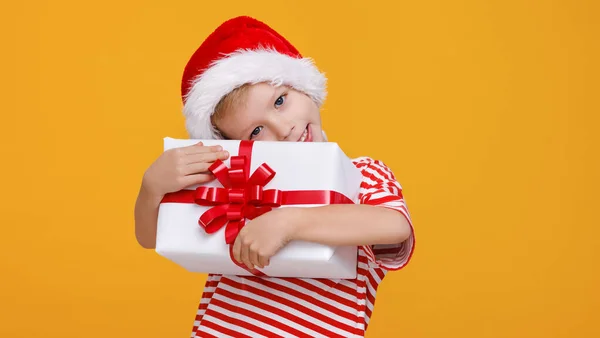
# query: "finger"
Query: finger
253,253
223,155
263,261
196,168
200,149
245,256
206,157
192,147
199,143
236,250
194,179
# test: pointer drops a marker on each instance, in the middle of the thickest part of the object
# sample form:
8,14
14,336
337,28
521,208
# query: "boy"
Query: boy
246,82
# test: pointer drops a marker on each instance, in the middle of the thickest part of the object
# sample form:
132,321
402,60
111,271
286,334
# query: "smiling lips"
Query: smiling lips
306,136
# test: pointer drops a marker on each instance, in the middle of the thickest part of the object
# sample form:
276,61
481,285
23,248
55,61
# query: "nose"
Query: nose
282,128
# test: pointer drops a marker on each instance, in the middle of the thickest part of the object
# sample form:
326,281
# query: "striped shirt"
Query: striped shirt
248,306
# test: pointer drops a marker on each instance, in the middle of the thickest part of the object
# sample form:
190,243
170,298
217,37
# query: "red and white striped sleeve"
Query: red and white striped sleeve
379,187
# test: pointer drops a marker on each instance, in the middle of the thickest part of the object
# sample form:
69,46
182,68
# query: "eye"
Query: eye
280,100
256,131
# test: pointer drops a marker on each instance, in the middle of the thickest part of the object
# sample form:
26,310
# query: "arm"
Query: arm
380,224
339,225
146,215
174,170
335,225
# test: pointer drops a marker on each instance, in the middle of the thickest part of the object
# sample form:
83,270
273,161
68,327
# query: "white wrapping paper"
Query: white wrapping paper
298,166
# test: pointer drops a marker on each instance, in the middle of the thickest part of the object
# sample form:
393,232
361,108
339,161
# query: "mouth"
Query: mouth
306,135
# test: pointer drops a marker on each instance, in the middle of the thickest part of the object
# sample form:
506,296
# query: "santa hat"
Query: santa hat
242,51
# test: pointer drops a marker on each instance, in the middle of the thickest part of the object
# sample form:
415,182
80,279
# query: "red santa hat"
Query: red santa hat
242,51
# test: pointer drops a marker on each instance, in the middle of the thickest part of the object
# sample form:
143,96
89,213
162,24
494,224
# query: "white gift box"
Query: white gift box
298,167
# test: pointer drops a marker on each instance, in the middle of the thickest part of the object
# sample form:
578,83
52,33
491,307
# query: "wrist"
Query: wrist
148,194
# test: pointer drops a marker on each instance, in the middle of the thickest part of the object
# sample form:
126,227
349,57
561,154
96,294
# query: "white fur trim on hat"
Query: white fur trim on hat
247,67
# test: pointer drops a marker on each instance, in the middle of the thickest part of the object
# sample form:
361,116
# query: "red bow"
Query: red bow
242,196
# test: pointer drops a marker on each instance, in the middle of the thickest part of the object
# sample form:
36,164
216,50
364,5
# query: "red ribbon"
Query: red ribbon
243,196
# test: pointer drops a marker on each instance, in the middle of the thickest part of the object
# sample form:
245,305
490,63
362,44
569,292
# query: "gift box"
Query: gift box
197,226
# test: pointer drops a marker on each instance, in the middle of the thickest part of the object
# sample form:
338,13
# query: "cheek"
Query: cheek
267,135
309,111
230,128
315,114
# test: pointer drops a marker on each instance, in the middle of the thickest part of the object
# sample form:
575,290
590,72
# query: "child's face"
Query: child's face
269,113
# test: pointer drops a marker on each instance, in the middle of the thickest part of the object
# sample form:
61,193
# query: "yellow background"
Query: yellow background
487,111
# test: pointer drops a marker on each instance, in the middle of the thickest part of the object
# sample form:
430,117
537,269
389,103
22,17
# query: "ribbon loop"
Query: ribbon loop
210,196
238,162
255,194
273,198
262,176
232,230
237,177
221,172
235,212
237,195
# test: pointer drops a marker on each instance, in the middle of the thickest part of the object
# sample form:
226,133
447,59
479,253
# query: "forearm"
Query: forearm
146,216
355,224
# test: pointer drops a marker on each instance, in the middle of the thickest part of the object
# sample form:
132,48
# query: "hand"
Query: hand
178,168
262,237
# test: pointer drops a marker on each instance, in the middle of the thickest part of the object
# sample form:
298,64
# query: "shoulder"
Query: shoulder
370,166
366,161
